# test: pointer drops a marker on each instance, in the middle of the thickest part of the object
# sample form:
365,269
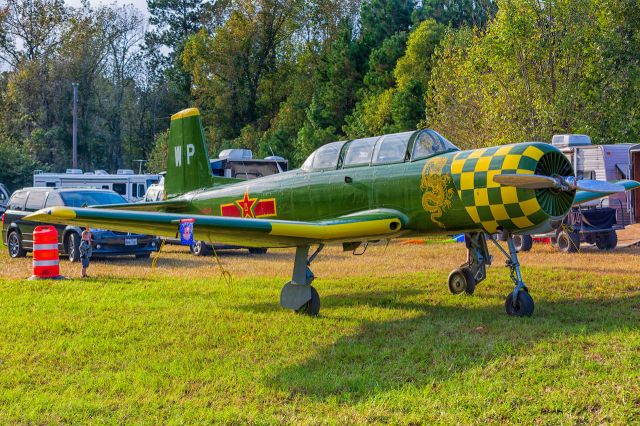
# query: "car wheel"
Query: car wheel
257,250
72,245
14,243
200,248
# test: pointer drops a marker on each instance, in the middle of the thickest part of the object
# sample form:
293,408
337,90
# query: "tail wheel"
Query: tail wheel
14,244
568,242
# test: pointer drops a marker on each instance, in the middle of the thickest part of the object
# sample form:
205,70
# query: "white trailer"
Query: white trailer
125,182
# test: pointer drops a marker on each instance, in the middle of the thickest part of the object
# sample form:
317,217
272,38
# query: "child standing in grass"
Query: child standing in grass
85,251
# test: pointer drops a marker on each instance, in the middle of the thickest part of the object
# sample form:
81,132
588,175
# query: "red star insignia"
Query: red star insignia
246,204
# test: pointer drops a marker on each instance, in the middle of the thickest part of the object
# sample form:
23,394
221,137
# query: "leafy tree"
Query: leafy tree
17,164
541,68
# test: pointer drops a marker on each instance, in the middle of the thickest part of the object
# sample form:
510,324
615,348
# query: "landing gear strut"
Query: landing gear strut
474,270
519,303
298,294
464,279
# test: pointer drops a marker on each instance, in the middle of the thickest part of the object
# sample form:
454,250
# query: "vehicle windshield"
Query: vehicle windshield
91,198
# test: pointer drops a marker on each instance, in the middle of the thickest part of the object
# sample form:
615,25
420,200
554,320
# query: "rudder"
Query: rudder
188,166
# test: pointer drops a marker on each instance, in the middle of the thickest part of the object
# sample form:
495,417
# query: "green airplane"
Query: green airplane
353,192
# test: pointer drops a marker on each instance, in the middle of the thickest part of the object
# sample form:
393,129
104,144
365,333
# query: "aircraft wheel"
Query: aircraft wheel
568,242
459,280
607,240
471,281
312,307
523,306
523,243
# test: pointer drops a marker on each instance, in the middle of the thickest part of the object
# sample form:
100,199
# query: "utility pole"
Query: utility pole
75,125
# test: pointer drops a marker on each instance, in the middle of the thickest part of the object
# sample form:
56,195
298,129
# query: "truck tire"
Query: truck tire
607,240
523,243
568,242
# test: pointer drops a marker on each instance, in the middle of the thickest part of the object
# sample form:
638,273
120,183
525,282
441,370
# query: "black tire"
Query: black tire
523,307
257,250
471,281
568,242
14,244
143,255
312,307
200,248
458,281
607,240
72,246
523,243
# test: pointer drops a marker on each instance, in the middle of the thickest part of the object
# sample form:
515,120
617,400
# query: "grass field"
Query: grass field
178,345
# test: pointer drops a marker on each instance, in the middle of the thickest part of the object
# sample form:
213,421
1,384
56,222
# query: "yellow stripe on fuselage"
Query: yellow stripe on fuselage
189,112
340,231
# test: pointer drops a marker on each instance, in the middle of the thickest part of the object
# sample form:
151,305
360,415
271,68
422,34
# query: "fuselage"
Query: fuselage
444,193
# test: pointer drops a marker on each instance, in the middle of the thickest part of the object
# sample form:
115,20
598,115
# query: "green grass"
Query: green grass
384,350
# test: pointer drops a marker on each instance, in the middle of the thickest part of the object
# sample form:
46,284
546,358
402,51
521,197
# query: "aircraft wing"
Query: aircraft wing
155,206
584,196
369,225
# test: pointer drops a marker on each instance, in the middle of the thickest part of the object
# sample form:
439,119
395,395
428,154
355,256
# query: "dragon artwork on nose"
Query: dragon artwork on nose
437,189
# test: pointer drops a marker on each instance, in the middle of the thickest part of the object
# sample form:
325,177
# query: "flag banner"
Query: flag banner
186,232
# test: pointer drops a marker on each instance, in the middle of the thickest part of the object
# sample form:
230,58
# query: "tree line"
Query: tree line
286,76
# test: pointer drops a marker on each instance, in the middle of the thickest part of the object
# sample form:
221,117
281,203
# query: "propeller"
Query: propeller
559,183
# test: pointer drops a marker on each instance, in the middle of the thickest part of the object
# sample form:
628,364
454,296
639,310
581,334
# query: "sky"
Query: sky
139,4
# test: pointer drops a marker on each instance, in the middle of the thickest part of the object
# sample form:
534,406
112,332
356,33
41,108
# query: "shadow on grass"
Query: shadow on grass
443,340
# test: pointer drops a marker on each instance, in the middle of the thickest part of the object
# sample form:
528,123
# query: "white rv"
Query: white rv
125,182
601,162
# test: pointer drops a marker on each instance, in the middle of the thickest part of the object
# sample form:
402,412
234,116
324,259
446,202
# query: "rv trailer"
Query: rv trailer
602,162
125,182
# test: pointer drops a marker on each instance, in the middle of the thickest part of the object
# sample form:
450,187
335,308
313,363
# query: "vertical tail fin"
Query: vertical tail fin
188,166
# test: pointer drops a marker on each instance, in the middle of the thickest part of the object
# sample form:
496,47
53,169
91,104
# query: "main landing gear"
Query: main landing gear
298,294
464,279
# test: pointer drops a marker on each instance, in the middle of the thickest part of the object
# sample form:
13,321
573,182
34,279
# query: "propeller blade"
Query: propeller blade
598,186
527,181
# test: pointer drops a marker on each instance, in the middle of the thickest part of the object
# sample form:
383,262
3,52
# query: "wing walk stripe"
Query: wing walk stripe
336,231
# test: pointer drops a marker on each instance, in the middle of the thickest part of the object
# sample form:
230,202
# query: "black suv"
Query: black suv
4,198
17,233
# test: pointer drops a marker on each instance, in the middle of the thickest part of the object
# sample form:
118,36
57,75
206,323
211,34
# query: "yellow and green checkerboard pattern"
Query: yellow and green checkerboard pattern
490,204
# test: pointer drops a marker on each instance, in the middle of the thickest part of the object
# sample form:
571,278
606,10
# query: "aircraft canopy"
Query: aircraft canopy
378,150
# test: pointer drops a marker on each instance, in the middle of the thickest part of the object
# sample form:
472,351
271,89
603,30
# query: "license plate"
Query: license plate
130,241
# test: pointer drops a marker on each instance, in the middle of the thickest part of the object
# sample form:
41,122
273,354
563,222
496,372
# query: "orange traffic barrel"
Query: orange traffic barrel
46,260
